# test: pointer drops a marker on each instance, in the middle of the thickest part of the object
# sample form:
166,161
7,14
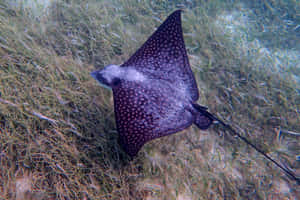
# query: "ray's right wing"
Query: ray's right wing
143,114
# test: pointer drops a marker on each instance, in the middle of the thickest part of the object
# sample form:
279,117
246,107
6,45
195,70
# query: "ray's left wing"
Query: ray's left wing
163,56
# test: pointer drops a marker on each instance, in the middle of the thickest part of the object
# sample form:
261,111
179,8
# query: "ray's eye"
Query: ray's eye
115,82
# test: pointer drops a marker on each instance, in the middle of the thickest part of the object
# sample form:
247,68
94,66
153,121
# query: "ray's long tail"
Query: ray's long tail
204,119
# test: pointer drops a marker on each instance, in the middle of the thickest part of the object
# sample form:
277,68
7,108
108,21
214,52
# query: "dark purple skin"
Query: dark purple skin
162,104
148,111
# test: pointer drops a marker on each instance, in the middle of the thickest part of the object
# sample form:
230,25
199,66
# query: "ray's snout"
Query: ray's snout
99,77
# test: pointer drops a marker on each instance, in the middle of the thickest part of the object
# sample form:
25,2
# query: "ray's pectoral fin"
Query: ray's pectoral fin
131,147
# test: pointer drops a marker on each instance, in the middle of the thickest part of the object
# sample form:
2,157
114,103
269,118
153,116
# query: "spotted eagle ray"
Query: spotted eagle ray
155,92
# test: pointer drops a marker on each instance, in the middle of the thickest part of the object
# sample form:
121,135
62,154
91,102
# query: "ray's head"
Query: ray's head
112,75
109,76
